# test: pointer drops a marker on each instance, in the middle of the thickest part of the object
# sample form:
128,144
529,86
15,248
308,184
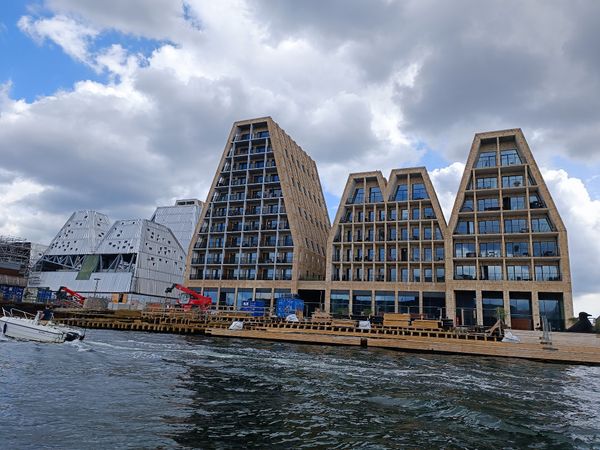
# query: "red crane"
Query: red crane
64,293
196,300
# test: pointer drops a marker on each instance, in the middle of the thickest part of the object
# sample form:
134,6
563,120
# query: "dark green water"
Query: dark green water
137,390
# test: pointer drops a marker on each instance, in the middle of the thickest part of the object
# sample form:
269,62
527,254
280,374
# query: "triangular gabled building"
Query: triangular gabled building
386,247
507,247
264,226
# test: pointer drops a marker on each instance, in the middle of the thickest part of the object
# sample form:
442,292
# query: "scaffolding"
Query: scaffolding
14,254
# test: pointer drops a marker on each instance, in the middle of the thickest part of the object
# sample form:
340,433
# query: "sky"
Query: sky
122,106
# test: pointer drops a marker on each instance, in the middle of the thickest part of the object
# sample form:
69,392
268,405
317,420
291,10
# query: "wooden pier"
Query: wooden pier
562,348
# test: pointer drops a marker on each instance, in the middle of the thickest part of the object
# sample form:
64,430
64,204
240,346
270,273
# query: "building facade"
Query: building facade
181,218
386,250
508,248
264,226
131,261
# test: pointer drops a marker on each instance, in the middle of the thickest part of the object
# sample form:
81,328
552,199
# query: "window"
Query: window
339,303
547,273
440,274
416,213
467,205
427,254
511,203
416,254
490,249
462,272
515,226
486,159
487,183
427,233
401,194
493,303
428,275
509,157
415,233
464,250
489,226
491,272
517,249
392,214
438,234
540,224
375,195
359,196
545,248
428,213
418,191
392,233
404,234
392,254
551,306
408,302
392,274
535,202
361,303
404,214
488,204
439,253
416,275
512,181
404,275
517,273
384,302
465,227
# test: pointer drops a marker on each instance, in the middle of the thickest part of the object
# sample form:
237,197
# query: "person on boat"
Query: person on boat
48,314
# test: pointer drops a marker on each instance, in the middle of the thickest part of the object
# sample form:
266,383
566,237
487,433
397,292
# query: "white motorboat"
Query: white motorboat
21,325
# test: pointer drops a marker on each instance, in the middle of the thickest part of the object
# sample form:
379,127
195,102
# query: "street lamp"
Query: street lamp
96,287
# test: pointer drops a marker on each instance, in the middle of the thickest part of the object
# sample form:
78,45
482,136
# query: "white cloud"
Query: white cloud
72,36
356,87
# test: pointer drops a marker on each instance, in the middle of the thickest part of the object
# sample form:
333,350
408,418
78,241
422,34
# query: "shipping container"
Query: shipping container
256,307
289,305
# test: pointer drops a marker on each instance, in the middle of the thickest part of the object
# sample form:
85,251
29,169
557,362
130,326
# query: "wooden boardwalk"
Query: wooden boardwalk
564,347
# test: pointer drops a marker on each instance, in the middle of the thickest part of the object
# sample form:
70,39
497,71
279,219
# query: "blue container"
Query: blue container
256,307
12,293
44,295
289,305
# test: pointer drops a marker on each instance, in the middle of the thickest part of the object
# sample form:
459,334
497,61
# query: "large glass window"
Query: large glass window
464,272
517,273
491,272
517,249
439,253
401,194
509,181
227,297
416,214
465,227
509,157
359,196
486,159
375,195
493,307
520,310
408,302
464,250
434,305
488,204
545,248
486,183
540,224
404,275
440,274
428,213
515,226
551,307
489,226
361,303
418,191
467,205
547,273
213,293
384,302
466,307
490,249
513,203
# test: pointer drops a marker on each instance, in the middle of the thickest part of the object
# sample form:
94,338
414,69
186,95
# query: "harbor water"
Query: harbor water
141,390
